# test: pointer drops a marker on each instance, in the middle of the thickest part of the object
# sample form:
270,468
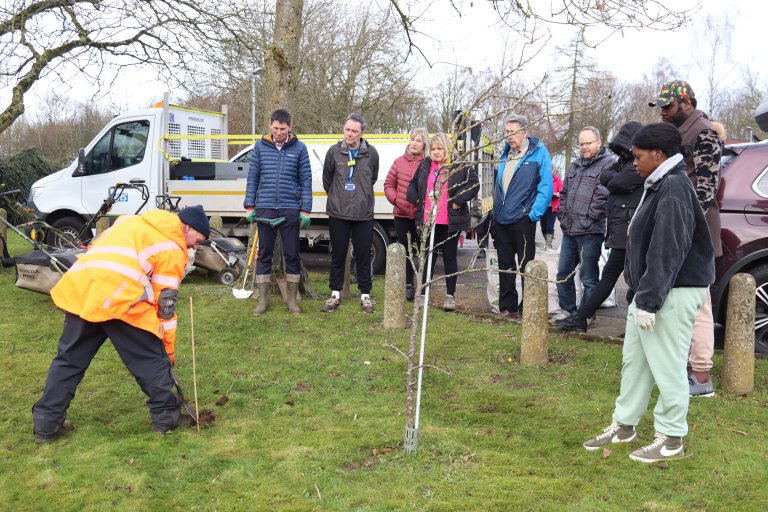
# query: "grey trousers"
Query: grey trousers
142,353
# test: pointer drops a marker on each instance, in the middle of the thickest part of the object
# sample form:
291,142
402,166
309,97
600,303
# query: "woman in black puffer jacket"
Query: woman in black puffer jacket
625,188
451,187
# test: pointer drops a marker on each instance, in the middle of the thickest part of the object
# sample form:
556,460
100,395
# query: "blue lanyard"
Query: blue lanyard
351,164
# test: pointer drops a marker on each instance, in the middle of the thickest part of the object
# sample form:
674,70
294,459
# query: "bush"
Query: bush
20,171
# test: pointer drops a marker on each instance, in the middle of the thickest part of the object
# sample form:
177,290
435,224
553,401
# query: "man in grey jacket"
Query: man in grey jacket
582,215
351,168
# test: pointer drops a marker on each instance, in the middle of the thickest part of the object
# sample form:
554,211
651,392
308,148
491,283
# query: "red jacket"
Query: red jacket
396,184
557,187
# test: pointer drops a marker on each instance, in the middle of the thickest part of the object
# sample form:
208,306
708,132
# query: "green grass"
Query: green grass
310,425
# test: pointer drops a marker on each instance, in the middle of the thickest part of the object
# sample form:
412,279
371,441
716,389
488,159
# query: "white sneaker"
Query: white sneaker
560,314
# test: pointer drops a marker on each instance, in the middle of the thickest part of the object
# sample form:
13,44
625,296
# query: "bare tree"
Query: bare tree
59,129
281,56
713,59
737,109
96,40
528,17
362,68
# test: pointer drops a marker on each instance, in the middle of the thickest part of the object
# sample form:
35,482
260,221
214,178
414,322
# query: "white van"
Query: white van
183,152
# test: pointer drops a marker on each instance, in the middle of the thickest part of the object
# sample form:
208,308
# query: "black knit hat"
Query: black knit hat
194,217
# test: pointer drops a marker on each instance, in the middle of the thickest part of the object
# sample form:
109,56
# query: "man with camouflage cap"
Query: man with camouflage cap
701,150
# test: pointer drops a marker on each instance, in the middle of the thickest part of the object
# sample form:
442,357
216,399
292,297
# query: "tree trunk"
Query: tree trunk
281,56
280,64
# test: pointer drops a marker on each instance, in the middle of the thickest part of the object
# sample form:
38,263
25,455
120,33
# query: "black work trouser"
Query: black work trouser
403,227
448,243
361,232
142,353
514,242
608,278
289,236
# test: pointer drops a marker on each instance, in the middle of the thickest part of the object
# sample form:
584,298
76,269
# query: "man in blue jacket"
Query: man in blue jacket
523,193
279,185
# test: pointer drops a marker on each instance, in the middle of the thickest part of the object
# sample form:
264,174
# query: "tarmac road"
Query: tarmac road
471,291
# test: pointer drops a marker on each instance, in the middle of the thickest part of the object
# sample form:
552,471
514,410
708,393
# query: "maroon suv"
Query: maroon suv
743,199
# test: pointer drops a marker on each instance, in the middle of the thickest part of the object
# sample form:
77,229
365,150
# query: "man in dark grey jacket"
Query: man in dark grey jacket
582,215
351,168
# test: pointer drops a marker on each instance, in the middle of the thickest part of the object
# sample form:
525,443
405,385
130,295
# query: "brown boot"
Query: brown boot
548,242
292,292
263,284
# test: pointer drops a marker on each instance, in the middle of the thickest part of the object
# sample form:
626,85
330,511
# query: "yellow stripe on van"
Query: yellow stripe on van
207,192
238,193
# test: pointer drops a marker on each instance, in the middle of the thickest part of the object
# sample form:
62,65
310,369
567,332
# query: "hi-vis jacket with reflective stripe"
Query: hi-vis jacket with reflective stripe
124,271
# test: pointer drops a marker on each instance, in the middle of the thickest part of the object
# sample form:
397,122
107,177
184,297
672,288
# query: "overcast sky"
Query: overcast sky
477,40
629,55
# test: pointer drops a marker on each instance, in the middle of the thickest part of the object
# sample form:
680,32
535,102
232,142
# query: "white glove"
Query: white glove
645,320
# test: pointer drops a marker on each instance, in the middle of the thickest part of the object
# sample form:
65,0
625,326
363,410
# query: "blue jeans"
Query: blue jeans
548,222
584,249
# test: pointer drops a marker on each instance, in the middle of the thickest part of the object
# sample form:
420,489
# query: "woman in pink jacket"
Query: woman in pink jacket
548,219
396,187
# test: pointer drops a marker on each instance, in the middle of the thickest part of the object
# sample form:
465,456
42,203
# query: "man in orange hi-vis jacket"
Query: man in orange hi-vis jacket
123,288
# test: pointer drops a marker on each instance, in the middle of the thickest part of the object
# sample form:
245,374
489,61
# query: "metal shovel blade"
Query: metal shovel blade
182,400
241,293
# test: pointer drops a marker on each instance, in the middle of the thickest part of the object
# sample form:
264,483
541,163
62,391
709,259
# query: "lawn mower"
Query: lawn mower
41,268
220,255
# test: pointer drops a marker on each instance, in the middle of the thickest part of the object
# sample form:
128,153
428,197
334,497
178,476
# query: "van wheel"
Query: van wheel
64,233
761,308
379,249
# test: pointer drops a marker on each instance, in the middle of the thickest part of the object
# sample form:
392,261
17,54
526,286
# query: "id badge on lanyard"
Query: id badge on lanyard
351,164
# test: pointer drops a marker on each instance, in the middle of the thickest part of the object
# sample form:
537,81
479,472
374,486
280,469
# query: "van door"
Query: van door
120,155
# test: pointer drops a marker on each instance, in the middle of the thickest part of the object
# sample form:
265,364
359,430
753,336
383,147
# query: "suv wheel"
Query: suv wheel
761,308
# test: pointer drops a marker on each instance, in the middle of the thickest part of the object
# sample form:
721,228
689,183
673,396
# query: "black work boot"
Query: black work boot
575,322
66,426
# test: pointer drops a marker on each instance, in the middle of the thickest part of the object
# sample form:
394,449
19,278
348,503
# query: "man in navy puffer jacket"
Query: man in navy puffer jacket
279,185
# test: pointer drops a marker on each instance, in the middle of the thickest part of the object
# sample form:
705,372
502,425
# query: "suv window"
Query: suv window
761,183
123,146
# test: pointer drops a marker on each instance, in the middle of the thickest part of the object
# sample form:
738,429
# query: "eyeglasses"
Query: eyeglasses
507,133
585,144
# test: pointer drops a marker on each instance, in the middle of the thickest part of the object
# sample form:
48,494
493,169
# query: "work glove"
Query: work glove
172,357
304,220
251,216
645,320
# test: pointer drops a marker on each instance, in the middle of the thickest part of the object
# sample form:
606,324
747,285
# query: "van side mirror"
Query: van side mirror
82,164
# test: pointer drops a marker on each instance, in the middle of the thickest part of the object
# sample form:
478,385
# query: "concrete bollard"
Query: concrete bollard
534,348
216,222
739,347
102,225
394,288
3,231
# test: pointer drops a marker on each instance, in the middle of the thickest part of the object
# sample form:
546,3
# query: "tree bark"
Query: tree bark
280,60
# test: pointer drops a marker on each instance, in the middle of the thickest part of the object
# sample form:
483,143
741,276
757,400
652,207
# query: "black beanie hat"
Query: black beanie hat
194,217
